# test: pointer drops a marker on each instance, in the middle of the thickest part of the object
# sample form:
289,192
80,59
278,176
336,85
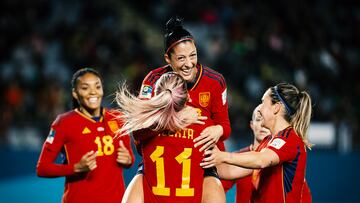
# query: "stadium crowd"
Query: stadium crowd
313,44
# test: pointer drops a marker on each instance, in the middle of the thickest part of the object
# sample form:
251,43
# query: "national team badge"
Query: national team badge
146,92
204,99
113,126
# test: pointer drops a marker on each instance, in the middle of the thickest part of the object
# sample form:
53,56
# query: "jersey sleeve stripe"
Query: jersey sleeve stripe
216,76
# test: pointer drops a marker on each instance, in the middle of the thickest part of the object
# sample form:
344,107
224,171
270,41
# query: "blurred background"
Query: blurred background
254,44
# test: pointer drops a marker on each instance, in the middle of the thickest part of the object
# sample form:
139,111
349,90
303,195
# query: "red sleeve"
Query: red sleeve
147,86
219,109
51,148
285,148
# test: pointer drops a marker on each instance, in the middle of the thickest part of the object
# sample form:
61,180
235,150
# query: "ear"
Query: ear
277,107
74,94
167,58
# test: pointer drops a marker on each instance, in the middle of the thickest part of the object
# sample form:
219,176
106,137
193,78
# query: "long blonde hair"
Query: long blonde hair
298,108
161,112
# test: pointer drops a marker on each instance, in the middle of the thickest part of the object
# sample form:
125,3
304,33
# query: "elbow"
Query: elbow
40,171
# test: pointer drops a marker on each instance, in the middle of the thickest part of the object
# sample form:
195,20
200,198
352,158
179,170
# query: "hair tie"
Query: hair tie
287,106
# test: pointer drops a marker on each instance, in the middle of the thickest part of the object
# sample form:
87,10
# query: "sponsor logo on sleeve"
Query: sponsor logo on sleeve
223,96
146,92
277,143
50,137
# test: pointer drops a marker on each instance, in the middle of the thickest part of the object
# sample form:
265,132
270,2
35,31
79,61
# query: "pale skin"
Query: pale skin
183,60
89,92
242,164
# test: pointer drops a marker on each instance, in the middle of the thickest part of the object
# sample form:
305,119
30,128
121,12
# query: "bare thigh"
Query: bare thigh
213,191
134,192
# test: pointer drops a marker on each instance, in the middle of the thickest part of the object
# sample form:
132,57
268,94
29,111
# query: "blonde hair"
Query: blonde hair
298,108
161,112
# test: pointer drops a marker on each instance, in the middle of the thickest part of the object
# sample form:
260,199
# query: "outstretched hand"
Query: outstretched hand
123,155
87,162
208,137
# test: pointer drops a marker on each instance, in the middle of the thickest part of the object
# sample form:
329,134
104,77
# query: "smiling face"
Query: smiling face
89,92
183,59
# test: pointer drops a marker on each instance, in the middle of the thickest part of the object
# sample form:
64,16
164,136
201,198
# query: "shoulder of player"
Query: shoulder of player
111,114
289,135
153,75
64,118
214,76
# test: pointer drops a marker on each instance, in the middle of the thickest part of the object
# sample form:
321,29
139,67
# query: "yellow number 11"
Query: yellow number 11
182,158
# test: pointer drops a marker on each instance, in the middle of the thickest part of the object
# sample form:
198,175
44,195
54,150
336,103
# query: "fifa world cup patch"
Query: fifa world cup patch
204,99
277,143
50,137
146,92
223,96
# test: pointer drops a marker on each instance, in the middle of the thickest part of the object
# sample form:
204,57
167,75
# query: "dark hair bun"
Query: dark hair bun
174,24
175,33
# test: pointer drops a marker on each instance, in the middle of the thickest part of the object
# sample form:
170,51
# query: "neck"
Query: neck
280,125
255,144
90,113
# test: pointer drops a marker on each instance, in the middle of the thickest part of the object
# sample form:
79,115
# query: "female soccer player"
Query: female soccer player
94,160
160,126
207,93
278,165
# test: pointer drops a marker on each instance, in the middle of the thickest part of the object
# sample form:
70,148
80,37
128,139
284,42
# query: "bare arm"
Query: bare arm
231,172
250,160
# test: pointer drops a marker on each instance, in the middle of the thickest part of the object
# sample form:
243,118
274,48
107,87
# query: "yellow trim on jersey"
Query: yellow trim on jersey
198,79
67,154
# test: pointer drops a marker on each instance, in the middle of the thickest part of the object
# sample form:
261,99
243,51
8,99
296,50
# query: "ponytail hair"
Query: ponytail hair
298,108
159,113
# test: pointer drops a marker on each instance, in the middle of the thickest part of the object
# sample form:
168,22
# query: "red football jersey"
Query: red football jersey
208,94
285,181
78,134
243,185
172,171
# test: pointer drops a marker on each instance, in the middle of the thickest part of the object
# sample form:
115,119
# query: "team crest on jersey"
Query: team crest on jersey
204,99
50,137
113,126
146,91
277,143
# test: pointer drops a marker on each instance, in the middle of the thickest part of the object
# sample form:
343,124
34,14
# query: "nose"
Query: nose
93,91
188,63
